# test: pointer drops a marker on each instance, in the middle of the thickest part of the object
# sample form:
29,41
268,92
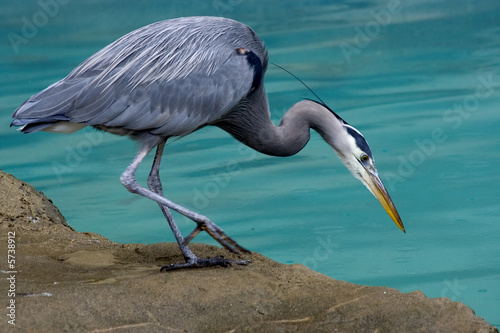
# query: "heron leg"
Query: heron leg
216,232
154,185
155,193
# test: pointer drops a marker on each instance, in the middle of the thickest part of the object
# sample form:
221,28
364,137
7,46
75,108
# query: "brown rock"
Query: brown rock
82,282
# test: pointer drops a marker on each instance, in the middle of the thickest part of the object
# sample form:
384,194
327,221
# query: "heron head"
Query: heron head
357,157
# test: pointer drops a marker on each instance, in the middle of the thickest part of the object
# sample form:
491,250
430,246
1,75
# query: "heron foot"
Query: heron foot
218,234
204,262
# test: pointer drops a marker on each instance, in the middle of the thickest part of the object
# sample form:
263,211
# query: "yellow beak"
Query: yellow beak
375,185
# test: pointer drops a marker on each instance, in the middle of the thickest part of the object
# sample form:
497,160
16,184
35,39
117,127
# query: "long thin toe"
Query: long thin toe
205,262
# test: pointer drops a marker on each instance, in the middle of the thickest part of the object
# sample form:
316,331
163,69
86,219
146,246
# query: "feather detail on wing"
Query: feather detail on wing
168,79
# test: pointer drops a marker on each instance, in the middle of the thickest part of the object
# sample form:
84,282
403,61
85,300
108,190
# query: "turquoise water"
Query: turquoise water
420,79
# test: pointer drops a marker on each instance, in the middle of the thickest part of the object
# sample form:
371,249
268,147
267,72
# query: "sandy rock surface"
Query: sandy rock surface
68,281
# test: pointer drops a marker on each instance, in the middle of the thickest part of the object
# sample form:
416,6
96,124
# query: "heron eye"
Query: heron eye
364,158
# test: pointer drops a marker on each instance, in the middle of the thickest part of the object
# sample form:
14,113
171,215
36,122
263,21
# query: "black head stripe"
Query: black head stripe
360,140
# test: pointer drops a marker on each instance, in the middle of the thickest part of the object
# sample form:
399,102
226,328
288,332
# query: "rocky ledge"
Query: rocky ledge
63,280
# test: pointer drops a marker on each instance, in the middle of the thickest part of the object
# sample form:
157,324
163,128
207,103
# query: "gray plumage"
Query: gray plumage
166,78
173,77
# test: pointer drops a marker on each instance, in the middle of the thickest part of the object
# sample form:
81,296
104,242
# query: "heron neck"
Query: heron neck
294,130
254,128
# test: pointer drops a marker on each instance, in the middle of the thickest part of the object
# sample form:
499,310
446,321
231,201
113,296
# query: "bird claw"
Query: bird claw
204,262
218,234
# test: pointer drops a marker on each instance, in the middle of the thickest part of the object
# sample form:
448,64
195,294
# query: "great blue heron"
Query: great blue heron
173,77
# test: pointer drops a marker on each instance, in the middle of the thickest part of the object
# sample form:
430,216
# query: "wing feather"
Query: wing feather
169,78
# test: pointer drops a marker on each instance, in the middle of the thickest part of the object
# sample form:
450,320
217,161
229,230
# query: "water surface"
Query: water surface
420,79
